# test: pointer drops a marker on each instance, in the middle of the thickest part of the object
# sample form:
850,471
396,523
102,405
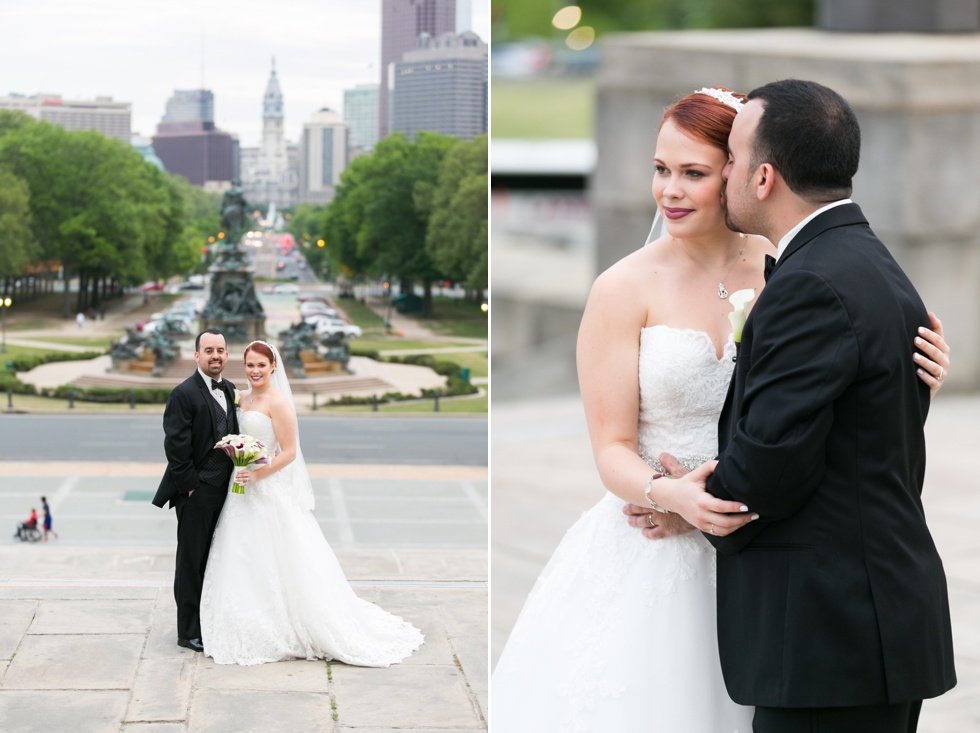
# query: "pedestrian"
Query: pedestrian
80,319
46,510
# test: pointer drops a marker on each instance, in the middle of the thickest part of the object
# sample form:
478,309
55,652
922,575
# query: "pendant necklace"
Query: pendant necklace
722,291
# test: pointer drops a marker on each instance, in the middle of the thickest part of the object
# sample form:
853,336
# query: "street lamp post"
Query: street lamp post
5,303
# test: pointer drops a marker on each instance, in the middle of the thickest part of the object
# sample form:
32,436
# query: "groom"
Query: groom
200,411
832,607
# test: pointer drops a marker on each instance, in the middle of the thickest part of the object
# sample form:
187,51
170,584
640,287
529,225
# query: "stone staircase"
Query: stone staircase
337,383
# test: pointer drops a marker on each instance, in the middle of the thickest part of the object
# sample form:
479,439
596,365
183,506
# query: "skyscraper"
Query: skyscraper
442,87
361,116
323,156
190,104
190,145
402,21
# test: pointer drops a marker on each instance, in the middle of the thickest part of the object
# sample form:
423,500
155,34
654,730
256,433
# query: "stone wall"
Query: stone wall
917,97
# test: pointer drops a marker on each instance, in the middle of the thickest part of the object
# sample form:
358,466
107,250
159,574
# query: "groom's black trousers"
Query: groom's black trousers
197,516
899,718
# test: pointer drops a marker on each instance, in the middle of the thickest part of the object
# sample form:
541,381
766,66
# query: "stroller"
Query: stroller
28,532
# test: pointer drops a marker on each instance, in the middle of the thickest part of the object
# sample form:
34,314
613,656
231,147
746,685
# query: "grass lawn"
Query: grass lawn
477,361
398,344
95,344
475,405
17,352
457,317
535,109
41,404
360,314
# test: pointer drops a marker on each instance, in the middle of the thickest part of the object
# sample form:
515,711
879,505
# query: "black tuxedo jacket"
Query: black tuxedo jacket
190,432
836,596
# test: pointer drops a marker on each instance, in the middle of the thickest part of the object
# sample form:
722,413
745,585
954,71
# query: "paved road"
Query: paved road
450,441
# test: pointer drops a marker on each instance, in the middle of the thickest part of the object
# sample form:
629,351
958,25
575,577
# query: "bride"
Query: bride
618,633
273,588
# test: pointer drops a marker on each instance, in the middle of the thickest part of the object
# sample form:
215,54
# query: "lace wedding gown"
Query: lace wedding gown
618,633
274,590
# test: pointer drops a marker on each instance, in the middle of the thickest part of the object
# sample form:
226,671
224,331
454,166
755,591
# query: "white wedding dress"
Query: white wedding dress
273,588
618,634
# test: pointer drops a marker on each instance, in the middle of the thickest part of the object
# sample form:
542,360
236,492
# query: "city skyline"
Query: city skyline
142,52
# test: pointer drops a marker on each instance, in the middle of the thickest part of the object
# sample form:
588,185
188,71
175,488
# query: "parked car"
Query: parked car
148,287
326,325
315,308
285,289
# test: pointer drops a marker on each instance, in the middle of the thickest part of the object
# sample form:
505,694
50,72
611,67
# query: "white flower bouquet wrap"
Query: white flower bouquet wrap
244,451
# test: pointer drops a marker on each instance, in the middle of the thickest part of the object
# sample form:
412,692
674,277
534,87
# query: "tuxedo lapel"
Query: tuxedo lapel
839,216
205,389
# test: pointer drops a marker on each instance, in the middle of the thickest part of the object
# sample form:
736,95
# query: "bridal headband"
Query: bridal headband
264,343
724,97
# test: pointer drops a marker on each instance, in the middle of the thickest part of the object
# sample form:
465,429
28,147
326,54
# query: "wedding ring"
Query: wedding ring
711,529
650,520
942,373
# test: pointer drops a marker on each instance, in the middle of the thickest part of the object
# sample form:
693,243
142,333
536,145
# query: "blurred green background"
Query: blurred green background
542,88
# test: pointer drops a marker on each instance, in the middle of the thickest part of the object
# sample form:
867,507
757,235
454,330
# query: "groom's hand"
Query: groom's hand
654,525
672,466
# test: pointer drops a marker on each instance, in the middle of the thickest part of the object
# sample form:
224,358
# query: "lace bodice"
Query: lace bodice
258,425
683,385
281,485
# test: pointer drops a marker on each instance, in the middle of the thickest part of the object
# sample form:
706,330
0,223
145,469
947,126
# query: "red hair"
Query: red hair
704,118
261,348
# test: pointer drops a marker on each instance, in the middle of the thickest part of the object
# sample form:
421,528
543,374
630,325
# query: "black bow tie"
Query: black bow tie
215,384
770,263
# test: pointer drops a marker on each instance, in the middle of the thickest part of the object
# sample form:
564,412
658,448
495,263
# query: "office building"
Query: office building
323,156
198,151
112,119
442,87
402,22
361,116
190,104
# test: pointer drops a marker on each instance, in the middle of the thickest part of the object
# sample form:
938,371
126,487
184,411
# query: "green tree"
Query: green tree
394,230
306,224
96,206
522,18
16,239
456,239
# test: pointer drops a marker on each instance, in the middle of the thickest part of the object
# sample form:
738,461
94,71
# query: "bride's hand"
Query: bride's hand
244,476
932,357
690,499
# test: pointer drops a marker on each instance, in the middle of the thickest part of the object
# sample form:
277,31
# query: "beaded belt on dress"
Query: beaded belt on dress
689,462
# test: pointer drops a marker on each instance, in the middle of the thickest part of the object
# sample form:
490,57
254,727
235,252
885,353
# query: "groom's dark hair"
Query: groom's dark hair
215,331
810,134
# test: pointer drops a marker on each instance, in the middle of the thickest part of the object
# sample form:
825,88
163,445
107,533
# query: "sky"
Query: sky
140,51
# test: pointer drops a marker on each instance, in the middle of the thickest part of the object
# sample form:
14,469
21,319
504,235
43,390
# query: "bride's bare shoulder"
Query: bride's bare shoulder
630,275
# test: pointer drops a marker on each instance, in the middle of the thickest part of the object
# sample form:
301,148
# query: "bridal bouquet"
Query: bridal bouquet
243,450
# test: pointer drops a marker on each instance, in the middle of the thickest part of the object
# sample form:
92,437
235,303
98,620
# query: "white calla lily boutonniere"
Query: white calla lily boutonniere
740,300
238,397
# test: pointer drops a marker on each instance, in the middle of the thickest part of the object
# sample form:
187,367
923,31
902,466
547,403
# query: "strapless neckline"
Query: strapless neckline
728,346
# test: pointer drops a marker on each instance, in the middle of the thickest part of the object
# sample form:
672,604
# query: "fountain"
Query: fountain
233,306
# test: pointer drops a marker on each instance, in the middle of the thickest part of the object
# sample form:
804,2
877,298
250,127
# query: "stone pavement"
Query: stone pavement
87,641
544,477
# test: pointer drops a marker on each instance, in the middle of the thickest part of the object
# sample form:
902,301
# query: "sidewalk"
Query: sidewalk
88,643
544,478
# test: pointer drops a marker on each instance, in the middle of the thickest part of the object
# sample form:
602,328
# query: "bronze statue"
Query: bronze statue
233,212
